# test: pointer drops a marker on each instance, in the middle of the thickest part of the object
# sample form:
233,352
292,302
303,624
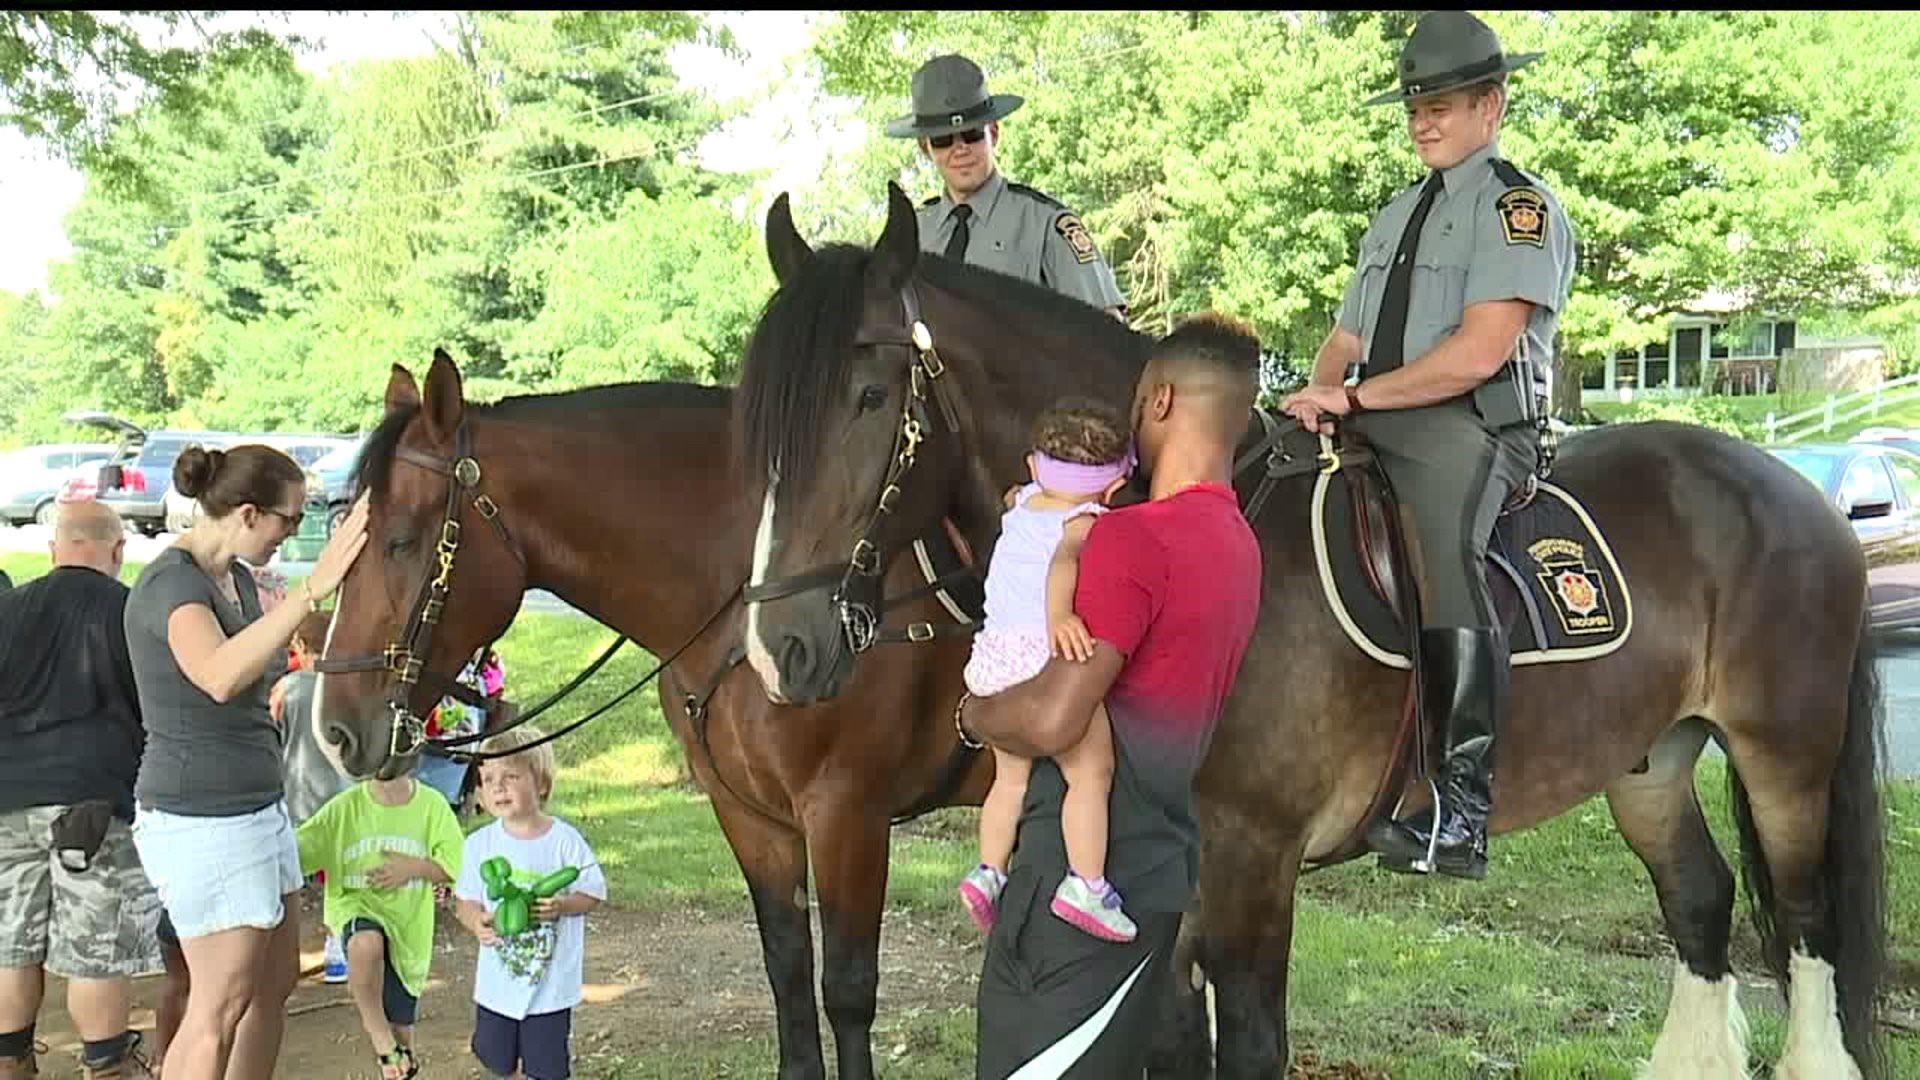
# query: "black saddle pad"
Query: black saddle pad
1554,579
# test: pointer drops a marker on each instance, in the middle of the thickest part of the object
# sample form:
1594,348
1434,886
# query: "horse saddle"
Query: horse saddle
1557,589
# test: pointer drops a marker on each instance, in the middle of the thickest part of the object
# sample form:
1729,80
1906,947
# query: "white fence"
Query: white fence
1840,408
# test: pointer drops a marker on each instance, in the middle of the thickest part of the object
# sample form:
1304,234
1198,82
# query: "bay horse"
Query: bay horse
1749,628
625,502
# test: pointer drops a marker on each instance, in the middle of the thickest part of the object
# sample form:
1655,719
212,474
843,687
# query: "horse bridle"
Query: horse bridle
859,619
405,658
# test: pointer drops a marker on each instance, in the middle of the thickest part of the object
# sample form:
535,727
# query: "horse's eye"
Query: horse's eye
400,545
873,397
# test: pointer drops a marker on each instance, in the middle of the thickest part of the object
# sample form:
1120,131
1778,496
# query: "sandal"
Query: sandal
397,1064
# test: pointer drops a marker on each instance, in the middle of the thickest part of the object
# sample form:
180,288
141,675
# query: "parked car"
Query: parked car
305,449
329,498
31,478
138,478
1876,487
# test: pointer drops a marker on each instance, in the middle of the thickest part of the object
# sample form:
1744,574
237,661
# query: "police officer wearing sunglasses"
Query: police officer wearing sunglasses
981,218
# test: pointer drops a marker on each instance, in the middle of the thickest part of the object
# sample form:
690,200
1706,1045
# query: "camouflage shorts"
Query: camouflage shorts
96,924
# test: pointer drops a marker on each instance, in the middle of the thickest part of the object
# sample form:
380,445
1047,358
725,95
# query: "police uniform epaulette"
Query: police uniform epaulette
1037,193
931,201
1509,174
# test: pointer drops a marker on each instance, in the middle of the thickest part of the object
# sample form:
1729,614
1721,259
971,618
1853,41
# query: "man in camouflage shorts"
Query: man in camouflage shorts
73,897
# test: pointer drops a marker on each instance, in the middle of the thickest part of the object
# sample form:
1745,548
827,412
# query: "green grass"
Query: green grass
1750,412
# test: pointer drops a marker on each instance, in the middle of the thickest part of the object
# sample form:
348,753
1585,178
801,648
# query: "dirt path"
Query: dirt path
652,980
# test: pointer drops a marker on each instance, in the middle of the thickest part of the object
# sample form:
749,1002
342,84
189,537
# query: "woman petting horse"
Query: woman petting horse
625,502
1748,595
211,821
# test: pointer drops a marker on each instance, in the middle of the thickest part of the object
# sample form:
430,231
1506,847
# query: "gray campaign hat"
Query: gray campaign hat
949,95
1448,50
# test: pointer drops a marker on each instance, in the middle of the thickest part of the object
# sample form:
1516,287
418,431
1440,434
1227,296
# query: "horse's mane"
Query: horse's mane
799,356
593,405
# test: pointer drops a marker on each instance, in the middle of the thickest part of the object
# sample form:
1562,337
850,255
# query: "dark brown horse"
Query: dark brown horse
1748,596
625,502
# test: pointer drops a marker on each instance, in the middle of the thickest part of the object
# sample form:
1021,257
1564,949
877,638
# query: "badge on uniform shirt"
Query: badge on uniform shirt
1523,216
1076,235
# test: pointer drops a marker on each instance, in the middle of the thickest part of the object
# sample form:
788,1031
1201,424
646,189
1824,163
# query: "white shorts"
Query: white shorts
220,873
1003,658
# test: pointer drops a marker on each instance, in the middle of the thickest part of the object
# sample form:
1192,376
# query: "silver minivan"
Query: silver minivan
31,477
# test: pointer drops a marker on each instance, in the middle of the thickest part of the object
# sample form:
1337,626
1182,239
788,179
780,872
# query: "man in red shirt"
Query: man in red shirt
1169,589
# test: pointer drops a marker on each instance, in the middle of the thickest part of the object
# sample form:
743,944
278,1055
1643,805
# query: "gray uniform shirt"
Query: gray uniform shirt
1483,240
203,757
1026,234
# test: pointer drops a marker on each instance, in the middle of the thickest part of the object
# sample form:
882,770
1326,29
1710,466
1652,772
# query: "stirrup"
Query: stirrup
1426,865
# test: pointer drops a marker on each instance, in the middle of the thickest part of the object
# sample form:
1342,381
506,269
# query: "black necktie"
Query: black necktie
1390,332
957,243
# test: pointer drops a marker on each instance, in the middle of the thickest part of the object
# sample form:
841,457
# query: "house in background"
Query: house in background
1699,358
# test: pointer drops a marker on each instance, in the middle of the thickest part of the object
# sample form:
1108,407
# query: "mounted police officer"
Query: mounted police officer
1449,320
981,218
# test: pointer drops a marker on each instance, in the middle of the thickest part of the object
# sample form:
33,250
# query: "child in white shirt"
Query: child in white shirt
527,982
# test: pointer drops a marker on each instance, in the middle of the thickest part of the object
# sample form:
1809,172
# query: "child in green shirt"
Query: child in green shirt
384,844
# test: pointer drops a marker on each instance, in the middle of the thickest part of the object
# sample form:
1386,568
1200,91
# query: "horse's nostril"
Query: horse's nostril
794,658
342,736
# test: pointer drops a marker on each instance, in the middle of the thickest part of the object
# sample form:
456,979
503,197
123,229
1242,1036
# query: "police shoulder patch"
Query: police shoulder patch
1523,216
1036,193
1075,234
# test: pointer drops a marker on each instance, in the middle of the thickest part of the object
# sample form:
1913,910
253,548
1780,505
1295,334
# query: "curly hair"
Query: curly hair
1083,431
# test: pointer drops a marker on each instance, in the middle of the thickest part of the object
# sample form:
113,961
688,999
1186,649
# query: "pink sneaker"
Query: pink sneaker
980,891
1096,913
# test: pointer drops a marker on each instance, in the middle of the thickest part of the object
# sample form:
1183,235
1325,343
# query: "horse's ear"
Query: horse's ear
445,407
402,393
899,246
785,249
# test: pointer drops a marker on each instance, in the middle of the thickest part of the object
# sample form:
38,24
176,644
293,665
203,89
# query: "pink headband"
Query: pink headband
1071,476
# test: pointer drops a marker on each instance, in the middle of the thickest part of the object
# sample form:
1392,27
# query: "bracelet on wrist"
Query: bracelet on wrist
965,739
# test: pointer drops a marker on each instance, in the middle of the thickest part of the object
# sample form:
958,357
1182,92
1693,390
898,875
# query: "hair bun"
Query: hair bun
194,470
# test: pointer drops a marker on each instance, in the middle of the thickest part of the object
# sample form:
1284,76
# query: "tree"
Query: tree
23,319
63,74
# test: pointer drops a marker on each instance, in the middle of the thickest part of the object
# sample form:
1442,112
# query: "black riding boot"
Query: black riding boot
1467,680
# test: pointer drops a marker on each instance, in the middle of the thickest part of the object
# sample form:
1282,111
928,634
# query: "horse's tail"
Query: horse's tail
1853,869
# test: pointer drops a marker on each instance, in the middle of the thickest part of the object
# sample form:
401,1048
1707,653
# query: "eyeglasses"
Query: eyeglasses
293,520
969,136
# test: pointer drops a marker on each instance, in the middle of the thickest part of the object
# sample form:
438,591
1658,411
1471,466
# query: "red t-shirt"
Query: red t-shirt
1174,584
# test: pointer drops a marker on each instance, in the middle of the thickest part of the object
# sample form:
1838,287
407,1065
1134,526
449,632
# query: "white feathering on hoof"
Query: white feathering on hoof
1815,1049
1705,1036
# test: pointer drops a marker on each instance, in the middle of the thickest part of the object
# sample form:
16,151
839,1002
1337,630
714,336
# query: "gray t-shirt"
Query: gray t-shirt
203,757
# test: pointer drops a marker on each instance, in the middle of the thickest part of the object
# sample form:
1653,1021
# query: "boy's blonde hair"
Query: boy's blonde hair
539,760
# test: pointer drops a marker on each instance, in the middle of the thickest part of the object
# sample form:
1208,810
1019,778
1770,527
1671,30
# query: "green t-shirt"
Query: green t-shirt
350,835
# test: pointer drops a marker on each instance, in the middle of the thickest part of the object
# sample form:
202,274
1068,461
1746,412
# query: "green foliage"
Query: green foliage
1717,413
62,73
531,197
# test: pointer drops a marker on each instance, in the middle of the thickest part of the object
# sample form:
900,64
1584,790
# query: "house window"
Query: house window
1626,368
1658,367
1593,377
1783,336
1717,346
1757,343
1686,351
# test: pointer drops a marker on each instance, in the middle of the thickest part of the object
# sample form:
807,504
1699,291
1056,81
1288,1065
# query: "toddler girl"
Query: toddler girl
1082,455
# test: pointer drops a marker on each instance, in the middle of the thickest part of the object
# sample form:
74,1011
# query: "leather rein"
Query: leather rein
405,658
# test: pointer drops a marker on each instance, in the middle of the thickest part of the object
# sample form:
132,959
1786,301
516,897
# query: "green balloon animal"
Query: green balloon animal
515,911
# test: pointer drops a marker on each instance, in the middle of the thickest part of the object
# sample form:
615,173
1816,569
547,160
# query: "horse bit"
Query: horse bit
859,619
